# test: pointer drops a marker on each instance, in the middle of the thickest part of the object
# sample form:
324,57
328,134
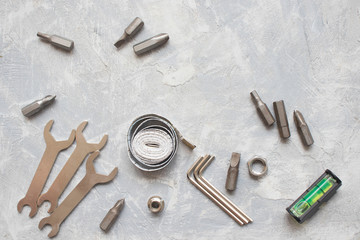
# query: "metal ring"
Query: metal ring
251,170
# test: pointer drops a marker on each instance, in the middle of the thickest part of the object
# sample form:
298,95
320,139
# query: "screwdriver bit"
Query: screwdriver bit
281,119
112,215
303,128
233,171
151,43
130,31
57,41
263,109
37,105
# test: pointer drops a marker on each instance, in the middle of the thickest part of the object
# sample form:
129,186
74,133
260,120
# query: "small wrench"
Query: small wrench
47,161
74,198
82,149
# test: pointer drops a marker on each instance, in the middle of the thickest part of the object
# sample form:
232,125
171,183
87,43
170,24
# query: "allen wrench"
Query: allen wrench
201,180
212,193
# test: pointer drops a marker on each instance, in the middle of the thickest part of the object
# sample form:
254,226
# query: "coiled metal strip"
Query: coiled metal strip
153,142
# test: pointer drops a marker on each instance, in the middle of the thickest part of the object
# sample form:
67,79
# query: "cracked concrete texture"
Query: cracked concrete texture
304,52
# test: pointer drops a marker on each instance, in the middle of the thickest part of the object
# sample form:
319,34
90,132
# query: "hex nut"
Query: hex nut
255,173
156,204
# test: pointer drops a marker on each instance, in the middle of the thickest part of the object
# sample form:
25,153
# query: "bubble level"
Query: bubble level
308,203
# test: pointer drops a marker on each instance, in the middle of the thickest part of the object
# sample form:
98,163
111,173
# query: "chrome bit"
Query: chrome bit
112,215
37,105
263,109
57,41
281,119
130,31
233,172
303,128
151,43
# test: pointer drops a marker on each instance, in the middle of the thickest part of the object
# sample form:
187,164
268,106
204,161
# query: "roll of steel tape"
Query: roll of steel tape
152,142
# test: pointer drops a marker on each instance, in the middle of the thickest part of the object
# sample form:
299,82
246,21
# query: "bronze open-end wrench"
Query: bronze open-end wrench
47,161
73,199
81,150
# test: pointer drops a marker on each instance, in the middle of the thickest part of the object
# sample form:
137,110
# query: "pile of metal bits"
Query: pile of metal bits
282,120
145,46
130,31
194,174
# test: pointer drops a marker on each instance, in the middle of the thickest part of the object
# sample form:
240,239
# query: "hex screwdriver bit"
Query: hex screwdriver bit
57,41
37,105
112,215
262,108
133,28
303,128
151,43
233,172
281,119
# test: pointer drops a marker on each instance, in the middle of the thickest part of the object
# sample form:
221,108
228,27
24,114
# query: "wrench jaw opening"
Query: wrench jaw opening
26,202
91,147
98,178
67,143
48,197
49,138
98,146
55,227
106,178
47,135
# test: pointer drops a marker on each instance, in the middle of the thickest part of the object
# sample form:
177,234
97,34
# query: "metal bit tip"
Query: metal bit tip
57,41
262,109
120,41
112,215
44,36
151,43
233,171
255,96
37,105
130,31
303,128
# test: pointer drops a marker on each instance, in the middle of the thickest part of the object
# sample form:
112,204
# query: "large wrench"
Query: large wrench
81,150
73,199
47,161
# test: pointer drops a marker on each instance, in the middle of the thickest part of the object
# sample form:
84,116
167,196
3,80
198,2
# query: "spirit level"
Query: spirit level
309,202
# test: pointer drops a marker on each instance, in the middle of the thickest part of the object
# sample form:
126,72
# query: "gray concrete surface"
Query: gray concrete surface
304,52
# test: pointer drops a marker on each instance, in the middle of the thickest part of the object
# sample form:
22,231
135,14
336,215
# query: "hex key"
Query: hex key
216,194
208,194
207,163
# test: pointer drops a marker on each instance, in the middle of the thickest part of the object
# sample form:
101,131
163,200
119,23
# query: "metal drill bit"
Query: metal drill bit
57,41
130,31
233,171
37,105
112,215
263,109
151,43
281,119
303,128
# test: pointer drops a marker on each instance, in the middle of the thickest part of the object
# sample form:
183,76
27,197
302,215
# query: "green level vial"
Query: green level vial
309,202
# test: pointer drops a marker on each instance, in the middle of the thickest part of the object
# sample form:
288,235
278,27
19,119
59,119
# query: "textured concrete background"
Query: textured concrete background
304,52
